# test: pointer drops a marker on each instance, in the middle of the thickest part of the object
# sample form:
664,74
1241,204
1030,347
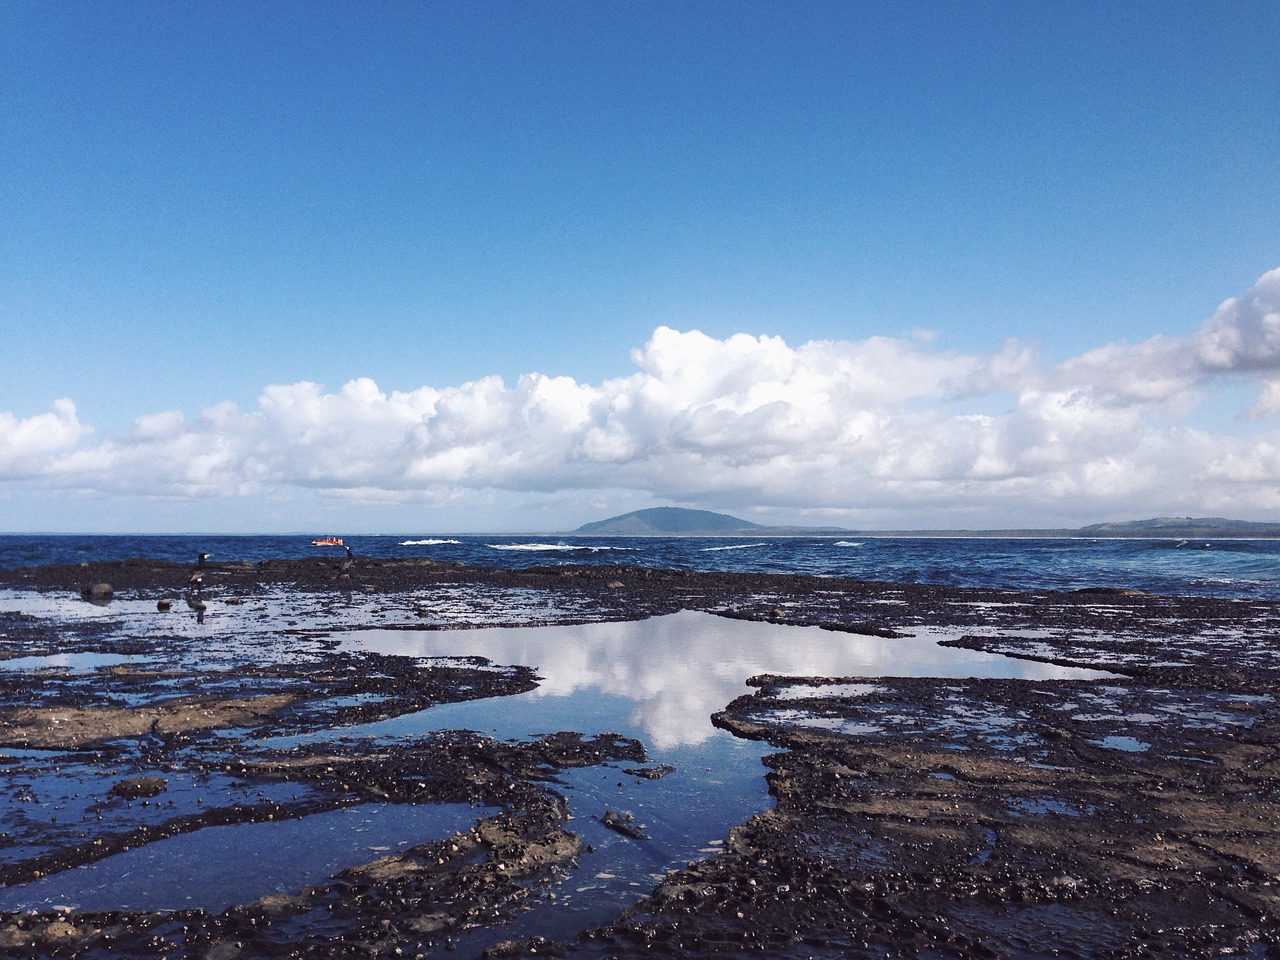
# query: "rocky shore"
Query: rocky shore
1133,815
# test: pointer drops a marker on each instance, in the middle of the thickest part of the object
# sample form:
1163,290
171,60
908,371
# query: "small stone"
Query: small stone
99,594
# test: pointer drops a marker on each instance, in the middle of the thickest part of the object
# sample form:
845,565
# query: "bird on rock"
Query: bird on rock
197,572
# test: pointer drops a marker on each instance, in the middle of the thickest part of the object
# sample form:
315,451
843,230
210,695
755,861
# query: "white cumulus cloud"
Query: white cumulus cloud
1244,334
881,427
27,444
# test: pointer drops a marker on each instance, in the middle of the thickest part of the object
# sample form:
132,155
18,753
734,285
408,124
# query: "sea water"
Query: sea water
1226,568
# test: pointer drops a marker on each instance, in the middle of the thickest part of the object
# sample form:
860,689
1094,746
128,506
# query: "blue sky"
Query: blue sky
209,207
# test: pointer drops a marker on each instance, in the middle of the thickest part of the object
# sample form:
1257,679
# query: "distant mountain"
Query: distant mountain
682,522
659,521
1183,527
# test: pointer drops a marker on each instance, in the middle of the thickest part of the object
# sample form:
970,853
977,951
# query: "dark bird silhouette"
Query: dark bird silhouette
344,570
198,605
196,579
194,582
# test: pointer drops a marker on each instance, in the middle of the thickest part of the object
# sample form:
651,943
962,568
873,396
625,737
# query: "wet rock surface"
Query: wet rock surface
1133,815
625,824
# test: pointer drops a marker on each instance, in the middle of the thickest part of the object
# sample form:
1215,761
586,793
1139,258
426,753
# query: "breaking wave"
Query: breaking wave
558,547
734,546
425,543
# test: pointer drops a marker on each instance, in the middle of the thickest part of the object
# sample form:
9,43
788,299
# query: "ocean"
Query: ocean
1243,569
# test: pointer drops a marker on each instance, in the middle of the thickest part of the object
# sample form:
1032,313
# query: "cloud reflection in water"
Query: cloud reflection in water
680,669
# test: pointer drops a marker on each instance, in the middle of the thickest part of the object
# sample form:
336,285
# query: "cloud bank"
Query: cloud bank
881,431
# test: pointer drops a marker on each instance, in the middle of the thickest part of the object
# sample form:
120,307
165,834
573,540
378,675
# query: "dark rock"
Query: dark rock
625,824
650,773
98,593
135,788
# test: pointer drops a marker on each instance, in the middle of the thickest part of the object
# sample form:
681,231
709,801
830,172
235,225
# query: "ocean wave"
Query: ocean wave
559,547
736,546
848,543
425,543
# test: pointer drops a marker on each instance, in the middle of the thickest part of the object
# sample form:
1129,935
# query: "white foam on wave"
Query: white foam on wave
425,543
848,543
579,547
736,546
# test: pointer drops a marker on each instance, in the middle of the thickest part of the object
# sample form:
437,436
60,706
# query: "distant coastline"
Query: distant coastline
682,522
1160,528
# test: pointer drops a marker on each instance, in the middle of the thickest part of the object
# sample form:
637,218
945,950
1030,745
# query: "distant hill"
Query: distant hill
682,522
668,521
1182,528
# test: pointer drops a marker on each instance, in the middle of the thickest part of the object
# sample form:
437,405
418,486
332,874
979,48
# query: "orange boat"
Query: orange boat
328,542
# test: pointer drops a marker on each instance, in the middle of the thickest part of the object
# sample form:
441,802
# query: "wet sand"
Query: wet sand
1132,815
